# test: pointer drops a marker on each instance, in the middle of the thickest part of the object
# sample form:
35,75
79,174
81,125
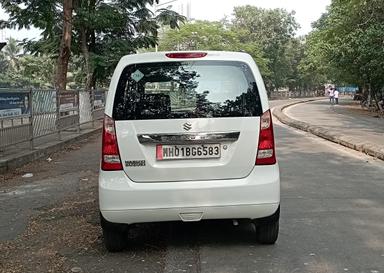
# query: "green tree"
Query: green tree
102,31
294,53
273,30
23,70
108,30
32,71
347,44
205,35
12,53
38,71
65,46
3,63
199,35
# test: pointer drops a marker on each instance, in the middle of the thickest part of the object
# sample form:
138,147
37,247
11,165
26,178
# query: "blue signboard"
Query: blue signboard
348,89
14,104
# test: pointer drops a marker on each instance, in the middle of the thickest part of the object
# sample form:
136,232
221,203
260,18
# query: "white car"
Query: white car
187,136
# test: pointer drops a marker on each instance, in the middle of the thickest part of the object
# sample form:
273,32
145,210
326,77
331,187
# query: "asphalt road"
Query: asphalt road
332,219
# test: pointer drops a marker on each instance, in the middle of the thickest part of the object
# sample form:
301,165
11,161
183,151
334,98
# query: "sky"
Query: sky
307,11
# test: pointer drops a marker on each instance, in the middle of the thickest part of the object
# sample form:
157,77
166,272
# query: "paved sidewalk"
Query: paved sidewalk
17,155
339,123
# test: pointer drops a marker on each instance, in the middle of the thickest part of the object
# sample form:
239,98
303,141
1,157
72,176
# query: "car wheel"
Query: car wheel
115,235
267,229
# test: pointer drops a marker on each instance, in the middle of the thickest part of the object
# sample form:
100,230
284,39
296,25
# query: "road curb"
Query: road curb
365,147
32,155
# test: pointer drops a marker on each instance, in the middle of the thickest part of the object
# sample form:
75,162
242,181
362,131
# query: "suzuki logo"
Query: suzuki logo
187,126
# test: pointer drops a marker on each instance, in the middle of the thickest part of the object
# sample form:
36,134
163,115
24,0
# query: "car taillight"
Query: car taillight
266,148
110,151
186,55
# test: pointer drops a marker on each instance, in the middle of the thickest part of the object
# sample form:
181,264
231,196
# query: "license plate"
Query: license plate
198,151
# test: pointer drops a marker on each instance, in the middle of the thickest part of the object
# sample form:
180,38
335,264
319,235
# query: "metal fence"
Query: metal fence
284,94
26,115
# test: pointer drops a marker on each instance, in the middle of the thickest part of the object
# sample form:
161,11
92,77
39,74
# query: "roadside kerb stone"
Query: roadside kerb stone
365,147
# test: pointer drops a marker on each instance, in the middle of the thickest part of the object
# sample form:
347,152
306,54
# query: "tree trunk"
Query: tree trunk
92,46
85,51
65,46
87,40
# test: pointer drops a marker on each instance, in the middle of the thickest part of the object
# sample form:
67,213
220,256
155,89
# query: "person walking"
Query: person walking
336,96
331,95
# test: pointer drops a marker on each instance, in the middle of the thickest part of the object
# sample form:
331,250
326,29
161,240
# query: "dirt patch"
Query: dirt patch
355,108
71,225
66,237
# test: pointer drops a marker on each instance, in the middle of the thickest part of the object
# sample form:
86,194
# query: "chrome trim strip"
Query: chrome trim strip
188,138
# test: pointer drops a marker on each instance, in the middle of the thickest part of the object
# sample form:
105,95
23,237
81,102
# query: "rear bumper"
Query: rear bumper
124,201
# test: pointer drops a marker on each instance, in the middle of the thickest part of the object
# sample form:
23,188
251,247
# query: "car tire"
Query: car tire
114,234
267,229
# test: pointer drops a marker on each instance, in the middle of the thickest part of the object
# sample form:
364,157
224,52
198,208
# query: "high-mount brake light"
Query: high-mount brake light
186,55
110,160
266,149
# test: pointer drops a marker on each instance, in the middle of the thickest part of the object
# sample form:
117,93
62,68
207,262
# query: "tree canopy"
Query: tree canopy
272,30
102,31
24,70
266,34
205,35
346,45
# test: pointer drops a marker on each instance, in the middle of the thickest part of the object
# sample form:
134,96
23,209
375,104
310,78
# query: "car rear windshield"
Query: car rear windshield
198,89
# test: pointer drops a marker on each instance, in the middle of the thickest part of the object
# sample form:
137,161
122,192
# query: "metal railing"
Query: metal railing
26,115
44,113
284,94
